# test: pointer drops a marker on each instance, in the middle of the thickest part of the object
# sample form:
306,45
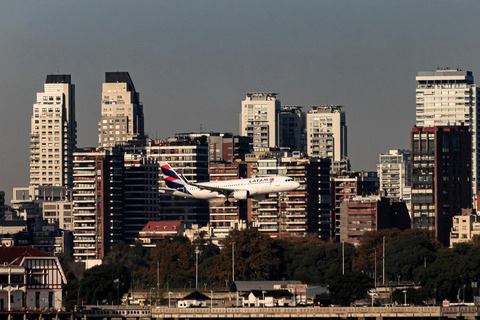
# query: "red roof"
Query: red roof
15,255
162,226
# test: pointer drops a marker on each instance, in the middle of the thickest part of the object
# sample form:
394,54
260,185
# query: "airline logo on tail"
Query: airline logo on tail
172,180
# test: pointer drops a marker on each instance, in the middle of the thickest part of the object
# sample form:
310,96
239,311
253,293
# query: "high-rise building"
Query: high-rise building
393,171
259,119
141,194
449,97
98,200
327,133
292,127
441,177
122,112
319,196
53,134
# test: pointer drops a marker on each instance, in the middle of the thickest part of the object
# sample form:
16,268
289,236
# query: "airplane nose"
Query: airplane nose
296,184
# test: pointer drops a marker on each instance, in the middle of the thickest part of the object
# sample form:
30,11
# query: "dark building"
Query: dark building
319,197
441,177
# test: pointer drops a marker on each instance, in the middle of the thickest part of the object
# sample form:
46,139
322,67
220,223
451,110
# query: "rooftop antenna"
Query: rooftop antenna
201,128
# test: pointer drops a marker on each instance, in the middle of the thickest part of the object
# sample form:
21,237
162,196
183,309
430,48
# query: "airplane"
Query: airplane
238,189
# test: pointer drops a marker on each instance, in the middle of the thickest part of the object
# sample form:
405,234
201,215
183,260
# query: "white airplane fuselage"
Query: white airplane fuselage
241,188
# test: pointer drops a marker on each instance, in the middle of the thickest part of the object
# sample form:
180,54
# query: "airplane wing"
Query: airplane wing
225,192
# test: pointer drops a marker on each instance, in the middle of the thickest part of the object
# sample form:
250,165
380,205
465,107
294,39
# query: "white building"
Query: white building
53,134
393,171
464,227
31,279
327,133
449,97
122,113
269,298
259,119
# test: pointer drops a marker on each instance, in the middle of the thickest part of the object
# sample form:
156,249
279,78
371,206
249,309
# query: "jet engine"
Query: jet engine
240,194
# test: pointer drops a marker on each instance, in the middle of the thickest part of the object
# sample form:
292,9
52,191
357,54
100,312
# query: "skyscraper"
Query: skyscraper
449,97
441,172
122,113
259,119
98,202
291,127
53,134
327,133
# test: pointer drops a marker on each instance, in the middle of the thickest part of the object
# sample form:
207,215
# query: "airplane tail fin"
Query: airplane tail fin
172,179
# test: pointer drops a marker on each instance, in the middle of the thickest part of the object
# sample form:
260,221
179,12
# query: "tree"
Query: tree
100,282
451,270
175,261
405,253
370,243
345,289
255,257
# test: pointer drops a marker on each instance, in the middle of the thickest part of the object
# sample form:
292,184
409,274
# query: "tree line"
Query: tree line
348,271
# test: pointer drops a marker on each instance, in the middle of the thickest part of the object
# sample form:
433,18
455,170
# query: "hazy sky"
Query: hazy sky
192,61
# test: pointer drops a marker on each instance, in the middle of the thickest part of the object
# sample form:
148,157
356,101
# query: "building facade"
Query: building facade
393,171
53,134
259,119
29,279
98,199
362,214
441,177
348,185
292,128
141,194
122,112
327,133
188,157
449,97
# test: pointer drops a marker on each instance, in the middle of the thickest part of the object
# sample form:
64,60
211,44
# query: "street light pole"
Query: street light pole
383,279
233,261
196,267
169,293
375,275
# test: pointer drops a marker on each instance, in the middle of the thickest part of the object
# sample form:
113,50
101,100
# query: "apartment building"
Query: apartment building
450,97
53,134
122,117
441,177
98,199
393,171
141,197
259,119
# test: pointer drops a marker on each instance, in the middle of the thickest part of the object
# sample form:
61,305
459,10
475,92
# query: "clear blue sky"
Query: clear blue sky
192,61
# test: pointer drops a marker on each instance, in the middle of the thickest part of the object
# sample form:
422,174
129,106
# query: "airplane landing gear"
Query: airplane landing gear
227,203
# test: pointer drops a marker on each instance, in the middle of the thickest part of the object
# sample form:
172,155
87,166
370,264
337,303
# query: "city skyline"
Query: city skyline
193,62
